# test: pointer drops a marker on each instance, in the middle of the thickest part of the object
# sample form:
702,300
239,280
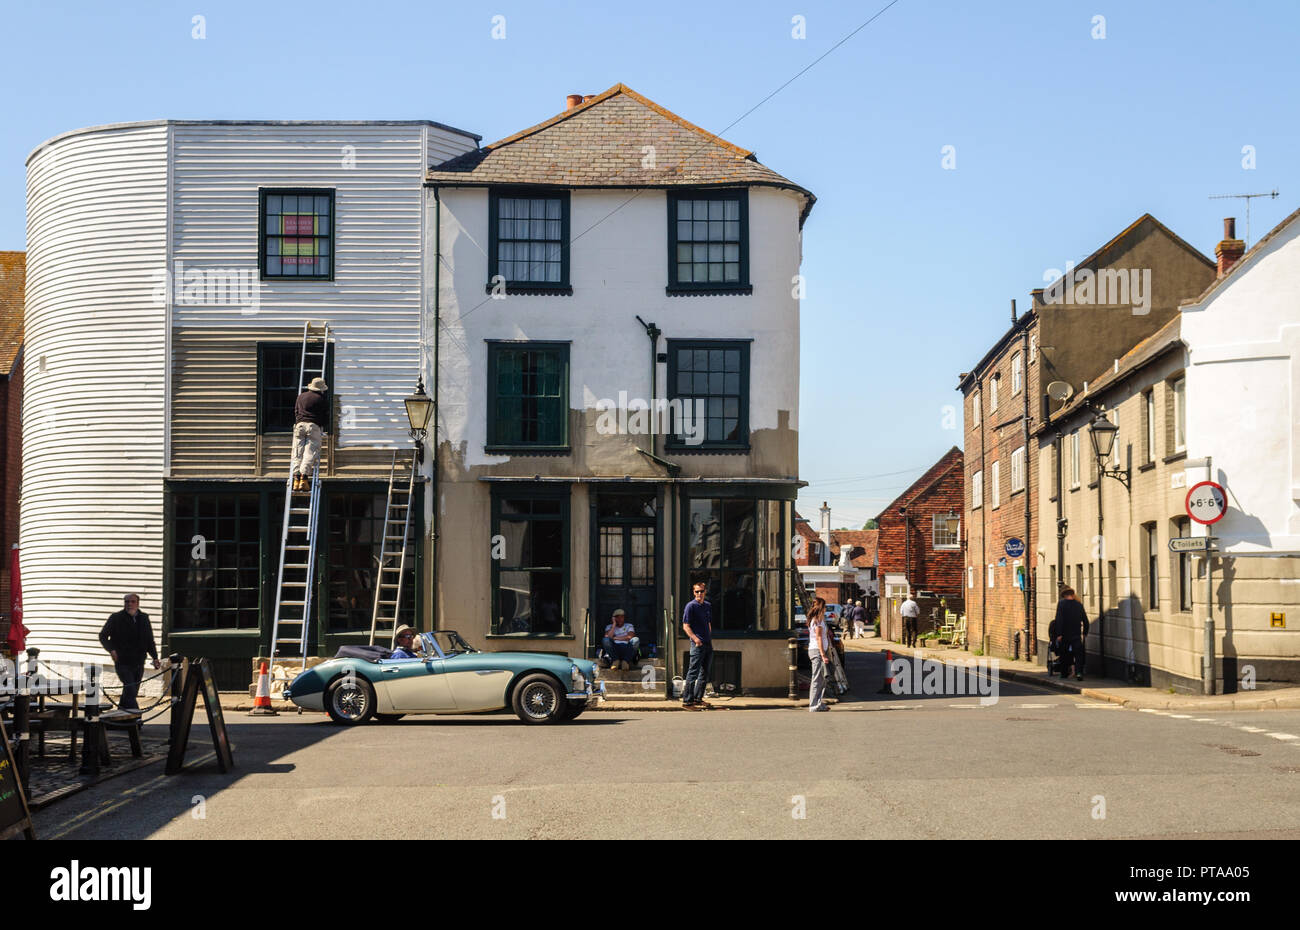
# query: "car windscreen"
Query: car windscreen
451,643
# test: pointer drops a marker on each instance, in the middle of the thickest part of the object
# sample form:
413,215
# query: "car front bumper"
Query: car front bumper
594,694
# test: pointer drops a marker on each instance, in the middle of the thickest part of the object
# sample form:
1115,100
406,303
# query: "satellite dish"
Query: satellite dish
1059,390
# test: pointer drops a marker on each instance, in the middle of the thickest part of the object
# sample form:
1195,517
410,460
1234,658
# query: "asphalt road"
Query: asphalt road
1035,764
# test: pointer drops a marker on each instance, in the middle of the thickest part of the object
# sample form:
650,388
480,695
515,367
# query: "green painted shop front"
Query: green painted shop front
222,542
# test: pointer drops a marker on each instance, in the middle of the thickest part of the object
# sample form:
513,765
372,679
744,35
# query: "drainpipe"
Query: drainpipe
907,550
654,333
1031,633
437,339
984,537
1207,661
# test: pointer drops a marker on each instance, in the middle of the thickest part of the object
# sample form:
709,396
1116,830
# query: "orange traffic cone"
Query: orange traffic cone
262,703
888,686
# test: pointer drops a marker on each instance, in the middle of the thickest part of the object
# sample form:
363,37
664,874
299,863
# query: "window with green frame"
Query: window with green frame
530,578
528,240
708,241
709,380
737,547
278,366
216,579
528,396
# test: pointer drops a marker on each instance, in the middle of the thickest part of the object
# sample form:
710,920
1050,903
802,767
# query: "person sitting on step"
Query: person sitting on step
620,642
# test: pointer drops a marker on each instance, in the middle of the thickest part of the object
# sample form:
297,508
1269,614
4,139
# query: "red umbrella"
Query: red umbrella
17,640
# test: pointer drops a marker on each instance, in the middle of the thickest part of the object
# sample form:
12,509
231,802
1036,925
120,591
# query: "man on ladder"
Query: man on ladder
310,416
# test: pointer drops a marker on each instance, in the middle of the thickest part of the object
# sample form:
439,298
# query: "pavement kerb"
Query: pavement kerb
1153,701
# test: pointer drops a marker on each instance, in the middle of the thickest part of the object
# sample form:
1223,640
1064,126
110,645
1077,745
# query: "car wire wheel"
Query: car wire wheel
539,700
351,701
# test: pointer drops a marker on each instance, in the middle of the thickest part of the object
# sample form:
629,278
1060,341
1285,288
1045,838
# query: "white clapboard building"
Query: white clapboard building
171,267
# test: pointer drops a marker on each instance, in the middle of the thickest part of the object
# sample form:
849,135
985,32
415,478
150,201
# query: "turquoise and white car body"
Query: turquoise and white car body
451,677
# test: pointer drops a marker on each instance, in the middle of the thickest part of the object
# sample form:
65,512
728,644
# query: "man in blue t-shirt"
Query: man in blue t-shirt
697,623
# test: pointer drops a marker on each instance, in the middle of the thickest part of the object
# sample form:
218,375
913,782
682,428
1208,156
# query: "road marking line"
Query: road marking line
1252,729
1203,720
1283,736
966,706
1181,716
1145,710
1100,706
1034,706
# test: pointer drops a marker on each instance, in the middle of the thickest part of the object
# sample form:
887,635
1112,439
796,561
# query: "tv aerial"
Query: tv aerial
1271,195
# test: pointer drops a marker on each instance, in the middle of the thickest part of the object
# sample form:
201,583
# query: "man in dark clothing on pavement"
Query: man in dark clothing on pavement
1070,627
310,417
697,623
128,637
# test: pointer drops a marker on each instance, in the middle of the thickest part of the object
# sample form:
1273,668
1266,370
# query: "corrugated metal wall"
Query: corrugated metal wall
94,371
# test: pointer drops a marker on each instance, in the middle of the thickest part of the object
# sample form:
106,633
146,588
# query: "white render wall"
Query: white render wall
1243,397
94,384
618,270
373,305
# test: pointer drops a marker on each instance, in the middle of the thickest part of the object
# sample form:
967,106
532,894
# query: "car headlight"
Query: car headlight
578,681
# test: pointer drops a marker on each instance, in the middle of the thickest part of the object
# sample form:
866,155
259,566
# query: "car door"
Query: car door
475,684
415,687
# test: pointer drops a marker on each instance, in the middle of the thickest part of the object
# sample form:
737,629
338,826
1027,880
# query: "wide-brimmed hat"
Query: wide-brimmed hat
620,612
318,384
404,628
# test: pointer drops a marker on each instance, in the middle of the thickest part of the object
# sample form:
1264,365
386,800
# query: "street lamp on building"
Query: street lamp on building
419,407
1102,432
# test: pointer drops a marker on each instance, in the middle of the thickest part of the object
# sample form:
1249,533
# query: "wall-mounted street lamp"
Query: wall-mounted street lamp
419,407
1102,432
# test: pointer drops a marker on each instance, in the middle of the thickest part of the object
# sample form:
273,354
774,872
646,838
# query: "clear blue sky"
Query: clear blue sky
1061,141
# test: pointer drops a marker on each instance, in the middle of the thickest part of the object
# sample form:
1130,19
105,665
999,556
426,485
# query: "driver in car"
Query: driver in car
405,639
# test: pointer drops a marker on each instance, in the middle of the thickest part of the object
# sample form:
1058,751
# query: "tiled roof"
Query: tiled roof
1149,349
861,543
13,277
603,143
952,458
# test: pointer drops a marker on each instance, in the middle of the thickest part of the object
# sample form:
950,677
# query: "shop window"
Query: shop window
353,526
736,546
216,579
530,582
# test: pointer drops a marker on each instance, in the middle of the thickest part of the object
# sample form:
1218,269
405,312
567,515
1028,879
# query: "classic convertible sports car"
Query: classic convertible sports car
449,677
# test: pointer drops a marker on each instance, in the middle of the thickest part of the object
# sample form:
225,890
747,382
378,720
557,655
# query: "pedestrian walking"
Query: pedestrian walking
1070,626
819,646
911,612
310,416
128,637
697,623
859,621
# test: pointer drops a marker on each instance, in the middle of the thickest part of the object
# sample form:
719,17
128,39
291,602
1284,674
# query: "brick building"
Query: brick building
837,565
1001,489
919,542
13,273
1082,323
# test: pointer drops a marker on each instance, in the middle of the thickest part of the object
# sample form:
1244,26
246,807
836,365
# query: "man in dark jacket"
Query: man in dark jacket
128,637
310,417
1070,627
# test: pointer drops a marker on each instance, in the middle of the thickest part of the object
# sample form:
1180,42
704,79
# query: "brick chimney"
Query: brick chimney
573,100
1230,250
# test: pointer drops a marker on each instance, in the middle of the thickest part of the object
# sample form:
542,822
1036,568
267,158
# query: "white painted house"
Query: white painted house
1243,431
171,266
611,258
